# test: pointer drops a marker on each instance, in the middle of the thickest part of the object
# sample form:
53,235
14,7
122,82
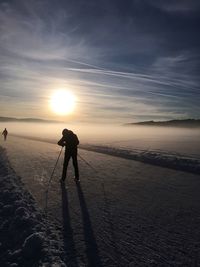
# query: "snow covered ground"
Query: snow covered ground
27,238
123,213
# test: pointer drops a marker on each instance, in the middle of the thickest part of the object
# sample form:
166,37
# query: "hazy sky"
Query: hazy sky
124,60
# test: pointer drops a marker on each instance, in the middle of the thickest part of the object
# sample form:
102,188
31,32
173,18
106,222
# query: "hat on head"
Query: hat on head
65,131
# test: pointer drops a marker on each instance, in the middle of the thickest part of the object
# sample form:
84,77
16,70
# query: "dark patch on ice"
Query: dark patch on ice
90,240
33,246
69,245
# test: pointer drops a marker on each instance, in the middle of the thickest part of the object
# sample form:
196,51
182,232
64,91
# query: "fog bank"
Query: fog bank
176,140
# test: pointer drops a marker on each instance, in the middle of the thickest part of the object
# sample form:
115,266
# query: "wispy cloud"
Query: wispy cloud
121,63
183,6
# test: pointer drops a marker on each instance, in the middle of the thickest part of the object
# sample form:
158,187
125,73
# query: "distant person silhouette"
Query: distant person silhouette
5,133
70,141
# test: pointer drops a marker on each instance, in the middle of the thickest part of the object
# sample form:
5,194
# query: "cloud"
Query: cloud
136,58
180,6
35,35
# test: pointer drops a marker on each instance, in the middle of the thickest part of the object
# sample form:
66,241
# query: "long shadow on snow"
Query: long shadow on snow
90,241
69,244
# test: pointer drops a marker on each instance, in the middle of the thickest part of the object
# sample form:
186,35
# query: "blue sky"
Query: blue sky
125,61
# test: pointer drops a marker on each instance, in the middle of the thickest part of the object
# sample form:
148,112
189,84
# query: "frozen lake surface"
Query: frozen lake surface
123,213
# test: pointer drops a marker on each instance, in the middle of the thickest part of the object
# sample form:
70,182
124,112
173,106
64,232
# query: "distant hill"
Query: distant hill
189,123
9,119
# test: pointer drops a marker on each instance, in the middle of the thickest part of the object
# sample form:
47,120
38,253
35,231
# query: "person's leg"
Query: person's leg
75,164
65,165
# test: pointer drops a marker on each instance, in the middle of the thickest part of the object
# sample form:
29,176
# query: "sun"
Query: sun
63,102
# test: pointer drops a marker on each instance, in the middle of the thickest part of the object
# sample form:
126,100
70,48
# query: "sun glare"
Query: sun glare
63,102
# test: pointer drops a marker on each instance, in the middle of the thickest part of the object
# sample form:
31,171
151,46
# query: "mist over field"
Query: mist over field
170,139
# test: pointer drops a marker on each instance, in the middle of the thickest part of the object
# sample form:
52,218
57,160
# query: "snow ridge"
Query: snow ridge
26,237
176,161
160,158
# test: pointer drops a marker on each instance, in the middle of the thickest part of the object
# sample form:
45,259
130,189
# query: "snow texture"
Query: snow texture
25,233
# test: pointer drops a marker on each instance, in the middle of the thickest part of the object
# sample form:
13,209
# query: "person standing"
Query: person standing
5,133
71,142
